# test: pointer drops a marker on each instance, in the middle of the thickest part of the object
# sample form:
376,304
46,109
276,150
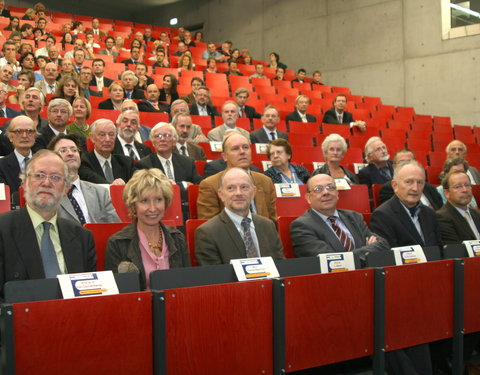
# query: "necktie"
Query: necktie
342,236
169,170
250,249
100,84
272,135
25,163
128,94
76,206
385,172
184,150
340,119
51,89
2,112
131,153
304,118
469,219
243,112
108,172
49,258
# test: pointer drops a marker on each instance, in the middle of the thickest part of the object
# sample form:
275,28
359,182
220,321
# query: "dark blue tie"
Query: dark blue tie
49,258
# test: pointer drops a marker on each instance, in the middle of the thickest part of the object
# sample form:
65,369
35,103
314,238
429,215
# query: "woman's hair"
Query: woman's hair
174,81
84,101
9,27
143,180
63,81
113,85
334,138
280,142
30,76
185,56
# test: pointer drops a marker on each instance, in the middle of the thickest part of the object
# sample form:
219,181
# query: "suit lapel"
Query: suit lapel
326,231
407,222
236,240
95,163
351,226
462,223
90,195
67,206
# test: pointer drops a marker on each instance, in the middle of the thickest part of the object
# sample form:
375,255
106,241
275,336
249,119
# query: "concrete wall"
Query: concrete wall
392,49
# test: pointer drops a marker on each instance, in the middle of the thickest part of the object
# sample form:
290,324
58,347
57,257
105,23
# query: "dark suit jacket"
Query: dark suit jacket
106,104
106,82
312,236
46,135
386,192
209,204
146,106
391,221
129,61
91,170
210,110
5,13
294,116
218,165
195,152
218,241
453,226
20,257
330,117
137,94
141,149
370,174
9,172
250,112
259,136
11,113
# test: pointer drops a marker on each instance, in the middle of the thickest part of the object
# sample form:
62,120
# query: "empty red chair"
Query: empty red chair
261,82
341,90
292,206
191,226
343,130
356,199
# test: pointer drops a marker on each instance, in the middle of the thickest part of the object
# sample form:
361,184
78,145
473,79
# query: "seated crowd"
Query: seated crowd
63,164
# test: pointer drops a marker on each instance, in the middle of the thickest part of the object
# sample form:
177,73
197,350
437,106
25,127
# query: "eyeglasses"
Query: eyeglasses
320,188
460,187
162,136
53,178
23,131
64,150
57,111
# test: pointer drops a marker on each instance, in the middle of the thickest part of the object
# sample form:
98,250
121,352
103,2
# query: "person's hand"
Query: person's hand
361,125
371,240
118,181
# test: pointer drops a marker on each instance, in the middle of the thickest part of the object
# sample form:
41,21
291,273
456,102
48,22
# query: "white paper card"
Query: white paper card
342,184
2,192
409,255
261,148
336,262
266,164
473,247
254,268
287,190
216,146
359,166
318,164
87,284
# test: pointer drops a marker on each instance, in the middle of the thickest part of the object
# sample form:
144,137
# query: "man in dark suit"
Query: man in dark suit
201,107
85,79
21,133
182,123
430,196
178,168
403,220
96,29
300,114
4,12
109,51
325,229
152,104
195,83
301,74
268,132
241,97
59,112
458,149
125,144
235,232
338,115
98,79
457,221
5,112
35,242
134,57
379,169
101,166
130,80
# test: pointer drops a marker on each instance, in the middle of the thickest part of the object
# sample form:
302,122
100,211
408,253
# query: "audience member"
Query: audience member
458,149
5,112
129,81
48,84
317,78
211,66
274,61
201,107
279,152
230,117
211,52
98,79
279,74
86,77
151,104
258,71
143,133
338,115
181,48
233,69
81,112
128,123
379,169
301,75
25,79
195,83
109,48
195,134
300,114
241,97
117,94
182,123
168,92
68,88
6,76
143,79
96,29
268,132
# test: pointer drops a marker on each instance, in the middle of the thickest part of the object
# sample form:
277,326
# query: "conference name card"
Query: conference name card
255,268
409,255
318,164
2,192
287,190
473,248
342,184
87,284
266,164
336,262
216,146
261,148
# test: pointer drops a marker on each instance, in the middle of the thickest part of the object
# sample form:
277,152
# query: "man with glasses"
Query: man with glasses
101,166
325,229
195,134
379,169
5,112
35,242
21,134
84,202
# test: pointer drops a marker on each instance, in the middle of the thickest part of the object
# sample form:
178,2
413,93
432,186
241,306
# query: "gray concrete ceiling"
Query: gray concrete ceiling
128,4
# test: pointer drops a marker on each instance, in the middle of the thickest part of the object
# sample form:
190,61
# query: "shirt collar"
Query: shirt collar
101,159
37,219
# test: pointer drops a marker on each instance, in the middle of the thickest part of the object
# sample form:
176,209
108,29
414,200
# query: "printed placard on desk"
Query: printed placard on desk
266,164
318,164
287,190
342,184
336,262
87,284
254,268
409,255
473,247
216,146
2,192
261,148
359,166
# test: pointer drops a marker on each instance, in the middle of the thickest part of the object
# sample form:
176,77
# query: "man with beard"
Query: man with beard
34,242
85,202
182,124
125,144
379,169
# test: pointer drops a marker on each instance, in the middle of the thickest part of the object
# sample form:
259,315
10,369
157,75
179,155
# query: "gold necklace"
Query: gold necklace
157,248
